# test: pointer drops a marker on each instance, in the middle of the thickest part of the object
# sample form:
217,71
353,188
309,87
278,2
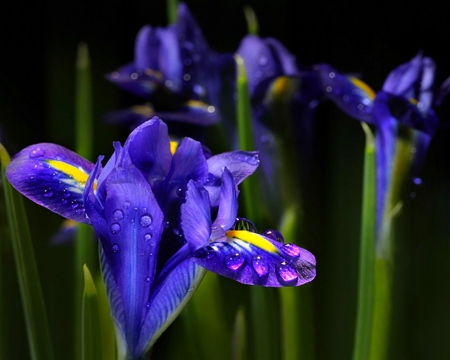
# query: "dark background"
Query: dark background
38,50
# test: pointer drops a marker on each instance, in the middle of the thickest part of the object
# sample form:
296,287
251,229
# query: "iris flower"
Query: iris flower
152,207
274,78
173,68
403,105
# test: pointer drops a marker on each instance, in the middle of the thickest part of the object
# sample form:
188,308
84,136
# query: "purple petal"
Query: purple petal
196,216
350,94
254,259
130,228
192,112
135,115
149,149
168,300
226,215
169,58
240,163
52,176
146,46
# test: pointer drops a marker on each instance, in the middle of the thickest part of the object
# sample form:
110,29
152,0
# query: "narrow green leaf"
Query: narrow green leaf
172,11
239,336
84,246
39,338
367,252
252,21
296,306
91,338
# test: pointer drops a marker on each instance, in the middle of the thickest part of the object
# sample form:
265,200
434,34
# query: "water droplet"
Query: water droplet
38,152
244,224
135,208
181,193
147,279
64,201
168,83
210,180
115,248
263,61
186,77
234,261
48,193
75,205
273,235
118,214
134,76
145,220
291,250
331,75
211,109
148,305
142,254
126,205
329,89
115,228
205,253
66,193
286,273
260,266
417,181
147,237
166,224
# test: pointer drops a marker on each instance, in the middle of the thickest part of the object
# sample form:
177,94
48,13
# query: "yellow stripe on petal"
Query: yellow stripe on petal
173,146
253,239
413,101
363,86
78,174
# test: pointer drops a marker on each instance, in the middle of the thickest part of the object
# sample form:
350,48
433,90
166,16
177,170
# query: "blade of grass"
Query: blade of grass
252,21
91,338
172,11
84,246
239,336
39,338
367,252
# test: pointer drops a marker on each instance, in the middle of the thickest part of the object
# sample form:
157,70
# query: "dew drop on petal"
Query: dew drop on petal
181,193
291,250
148,305
147,279
234,261
115,228
263,60
115,248
126,205
147,237
74,205
210,180
48,193
274,235
260,266
166,224
145,220
37,152
118,214
286,273
244,224
205,253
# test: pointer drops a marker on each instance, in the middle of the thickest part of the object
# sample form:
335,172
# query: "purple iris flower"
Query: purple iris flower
173,68
274,78
403,104
152,207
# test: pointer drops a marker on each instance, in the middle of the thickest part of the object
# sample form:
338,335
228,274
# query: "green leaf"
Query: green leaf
172,11
239,336
39,338
252,21
91,338
367,252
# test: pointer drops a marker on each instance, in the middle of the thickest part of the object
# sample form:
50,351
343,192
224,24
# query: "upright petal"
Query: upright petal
228,206
52,176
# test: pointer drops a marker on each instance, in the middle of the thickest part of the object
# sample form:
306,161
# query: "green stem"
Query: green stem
39,338
252,21
367,252
172,11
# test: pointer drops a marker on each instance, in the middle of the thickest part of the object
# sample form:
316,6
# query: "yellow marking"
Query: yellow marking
67,224
252,238
70,170
156,74
363,86
143,110
173,146
196,104
413,101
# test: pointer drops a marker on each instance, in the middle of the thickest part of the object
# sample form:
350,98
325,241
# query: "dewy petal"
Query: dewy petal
169,58
240,163
52,176
168,300
227,212
350,94
192,112
149,149
130,229
147,45
196,216
254,259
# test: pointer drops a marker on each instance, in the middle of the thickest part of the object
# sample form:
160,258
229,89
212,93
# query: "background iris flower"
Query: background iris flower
402,110
151,207
175,70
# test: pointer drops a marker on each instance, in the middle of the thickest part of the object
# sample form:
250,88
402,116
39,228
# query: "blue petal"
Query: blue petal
192,112
350,94
149,149
130,229
240,163
227,212
147,44
169,59
52,176
135,115
254,259
167,301
196,216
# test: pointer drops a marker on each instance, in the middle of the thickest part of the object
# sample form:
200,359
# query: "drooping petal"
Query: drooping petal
254,259
130,229
240,163
149,149
196,216
350,94
168,299
227,212
192,112
53,177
